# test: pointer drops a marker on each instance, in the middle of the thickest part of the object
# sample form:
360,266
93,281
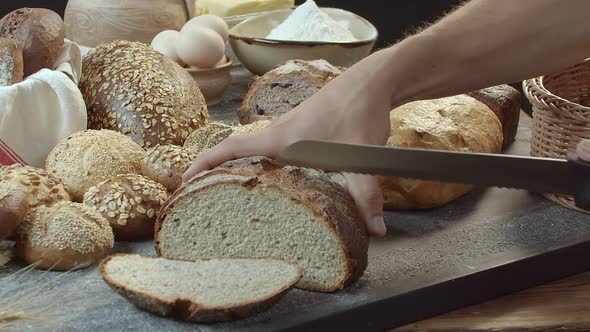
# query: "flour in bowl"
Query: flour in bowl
309,23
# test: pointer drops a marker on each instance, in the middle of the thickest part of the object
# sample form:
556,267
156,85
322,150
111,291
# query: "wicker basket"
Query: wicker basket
561,115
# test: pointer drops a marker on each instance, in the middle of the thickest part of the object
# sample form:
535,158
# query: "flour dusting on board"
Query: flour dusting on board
309,23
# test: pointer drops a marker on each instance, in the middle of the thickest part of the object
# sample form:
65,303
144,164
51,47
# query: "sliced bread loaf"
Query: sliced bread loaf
252,208
202,291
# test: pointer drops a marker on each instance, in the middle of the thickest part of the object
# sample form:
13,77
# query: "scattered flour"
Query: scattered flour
309,23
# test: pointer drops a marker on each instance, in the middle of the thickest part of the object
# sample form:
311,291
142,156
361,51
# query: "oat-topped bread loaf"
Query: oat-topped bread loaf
458,123
132,88
166,164
63,237
89,157
204,291
208,136
130,203
505,102
41,187
40,33
251,208
14,206
11,62
283,88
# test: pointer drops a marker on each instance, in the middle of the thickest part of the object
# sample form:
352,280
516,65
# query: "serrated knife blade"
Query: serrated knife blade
540,175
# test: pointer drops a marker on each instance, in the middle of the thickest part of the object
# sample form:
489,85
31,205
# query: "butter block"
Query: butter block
224,8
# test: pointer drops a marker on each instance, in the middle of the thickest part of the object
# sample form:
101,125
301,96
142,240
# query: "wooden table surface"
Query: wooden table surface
559,306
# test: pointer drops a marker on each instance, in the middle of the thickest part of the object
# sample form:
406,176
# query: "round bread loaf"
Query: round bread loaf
40,33
130,203
41,187
251,128
207,136
66,236
89,157
285,87
458,123
13,208
165,164
132,88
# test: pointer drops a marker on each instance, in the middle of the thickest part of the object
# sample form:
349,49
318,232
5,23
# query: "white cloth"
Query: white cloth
42,110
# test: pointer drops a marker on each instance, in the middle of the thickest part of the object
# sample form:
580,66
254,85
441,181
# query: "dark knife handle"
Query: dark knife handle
581,171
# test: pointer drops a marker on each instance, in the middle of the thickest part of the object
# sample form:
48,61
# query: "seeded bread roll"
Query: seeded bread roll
458,123
207,136
205,291
40,33
132,88
251,128
505,102
165,164
11,62
89,157
13,208
285,87
130,203
41,187
66,236
252,208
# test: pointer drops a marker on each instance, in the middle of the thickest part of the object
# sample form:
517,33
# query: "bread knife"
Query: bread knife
570,176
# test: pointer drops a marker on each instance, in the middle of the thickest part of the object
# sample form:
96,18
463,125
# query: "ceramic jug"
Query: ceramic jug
92,22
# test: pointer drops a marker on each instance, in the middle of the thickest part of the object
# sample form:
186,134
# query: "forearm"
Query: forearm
485,43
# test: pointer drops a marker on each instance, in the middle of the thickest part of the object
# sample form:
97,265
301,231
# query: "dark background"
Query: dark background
393,19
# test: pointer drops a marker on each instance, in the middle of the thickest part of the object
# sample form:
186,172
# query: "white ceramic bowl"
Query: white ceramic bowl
213,82
260,55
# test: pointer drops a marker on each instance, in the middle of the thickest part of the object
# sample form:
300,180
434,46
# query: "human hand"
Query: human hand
353,108
583,150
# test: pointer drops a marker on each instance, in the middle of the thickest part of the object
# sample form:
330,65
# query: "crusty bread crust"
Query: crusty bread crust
187,310
13,210
505,102
40,33
283,88
131,88
314,190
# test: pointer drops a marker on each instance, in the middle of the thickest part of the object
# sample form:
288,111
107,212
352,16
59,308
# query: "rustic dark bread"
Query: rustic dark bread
14,206
131,88
165,164
458,123
252,208
283,88
40,33
11,62
505,102
89,157
41,187
205,291
65,236
130,203
208,136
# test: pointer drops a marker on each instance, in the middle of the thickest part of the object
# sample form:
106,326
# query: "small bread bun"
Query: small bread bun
130,203
13,208
41,187
165,164
66,236
207,137
89,157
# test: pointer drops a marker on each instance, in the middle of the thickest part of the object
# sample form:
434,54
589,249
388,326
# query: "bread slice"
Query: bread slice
11,62
252,208
202,291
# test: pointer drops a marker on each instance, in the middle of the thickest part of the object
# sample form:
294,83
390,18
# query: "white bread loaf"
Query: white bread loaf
130,203
203,291
132,88
458,123
66,236
89,157
252,208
